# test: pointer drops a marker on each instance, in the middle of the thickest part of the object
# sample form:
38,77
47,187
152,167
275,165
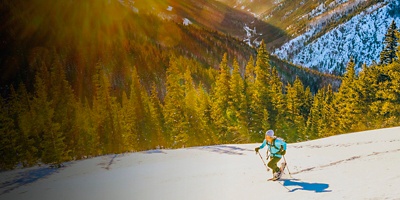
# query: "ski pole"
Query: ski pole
263,161
287,167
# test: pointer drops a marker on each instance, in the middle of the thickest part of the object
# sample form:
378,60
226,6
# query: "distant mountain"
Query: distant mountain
120,35
214,15
329,49
323,35
110,34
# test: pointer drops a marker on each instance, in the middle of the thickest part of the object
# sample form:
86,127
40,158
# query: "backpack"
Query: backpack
282,150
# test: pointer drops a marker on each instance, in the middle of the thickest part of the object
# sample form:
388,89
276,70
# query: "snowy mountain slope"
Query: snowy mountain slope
361,165
360,37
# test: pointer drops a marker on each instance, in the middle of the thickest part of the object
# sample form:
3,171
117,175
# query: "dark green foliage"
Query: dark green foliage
388,53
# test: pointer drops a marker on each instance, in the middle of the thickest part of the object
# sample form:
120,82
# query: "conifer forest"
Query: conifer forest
73,93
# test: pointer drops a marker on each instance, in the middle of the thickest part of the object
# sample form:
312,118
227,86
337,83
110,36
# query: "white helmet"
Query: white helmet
269,133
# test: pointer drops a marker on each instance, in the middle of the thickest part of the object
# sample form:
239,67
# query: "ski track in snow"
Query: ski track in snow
362,165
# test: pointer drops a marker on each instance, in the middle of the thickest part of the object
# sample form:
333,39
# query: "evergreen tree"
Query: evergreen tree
88,140
346,101
190,107
320,117
366,87
64,104
315,120
203,110
328,114
249,80
175,120
48,131
295,100
394,90
157,119
277,108
220,99
147,123
28,153
388,93
249,72
8,138
261,106
137,106
128,124
104,113
388,53
237,109
306,105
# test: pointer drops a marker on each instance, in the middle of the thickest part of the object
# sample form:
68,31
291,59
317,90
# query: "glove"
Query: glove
256,149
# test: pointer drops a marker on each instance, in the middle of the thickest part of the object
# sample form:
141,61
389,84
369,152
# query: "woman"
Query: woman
277,148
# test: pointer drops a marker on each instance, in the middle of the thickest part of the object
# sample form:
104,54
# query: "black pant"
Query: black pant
273,164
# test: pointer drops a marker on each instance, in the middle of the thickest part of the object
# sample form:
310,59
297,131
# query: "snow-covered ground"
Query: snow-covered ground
361,38
363,165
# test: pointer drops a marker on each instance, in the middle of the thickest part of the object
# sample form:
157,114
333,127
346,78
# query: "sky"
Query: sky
362,165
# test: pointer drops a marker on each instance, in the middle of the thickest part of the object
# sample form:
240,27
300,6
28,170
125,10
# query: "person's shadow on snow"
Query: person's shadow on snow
316,187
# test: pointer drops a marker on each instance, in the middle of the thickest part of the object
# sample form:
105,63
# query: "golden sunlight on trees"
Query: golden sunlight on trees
93,84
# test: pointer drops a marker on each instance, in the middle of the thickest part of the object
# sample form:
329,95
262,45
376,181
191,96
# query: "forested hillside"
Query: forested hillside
81,83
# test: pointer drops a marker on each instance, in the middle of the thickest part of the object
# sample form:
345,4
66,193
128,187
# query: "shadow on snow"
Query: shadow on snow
154,151
26,177
223,149
314,187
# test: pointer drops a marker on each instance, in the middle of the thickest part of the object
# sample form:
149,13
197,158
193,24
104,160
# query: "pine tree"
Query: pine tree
249,92
261,105
137,108
237,109
320,117
316,117
307,103
295,100
175,121
394,89
8,138
220,99
104,113
147,125
388,53
346,101
51,138
277,108
249,72
28,152
366,87
88,140
203,110
328,114
189,109
64,104
157,118
128,124
388,93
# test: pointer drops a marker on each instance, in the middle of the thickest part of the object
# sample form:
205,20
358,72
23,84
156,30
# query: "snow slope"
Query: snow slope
363,165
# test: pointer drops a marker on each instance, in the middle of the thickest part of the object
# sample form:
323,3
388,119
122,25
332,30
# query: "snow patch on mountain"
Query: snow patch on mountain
130,4
361,38
186,21
251,36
